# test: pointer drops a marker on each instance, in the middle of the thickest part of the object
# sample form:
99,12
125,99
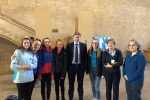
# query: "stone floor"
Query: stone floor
7,87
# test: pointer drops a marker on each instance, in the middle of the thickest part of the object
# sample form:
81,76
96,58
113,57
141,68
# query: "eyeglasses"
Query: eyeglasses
131,45
94,43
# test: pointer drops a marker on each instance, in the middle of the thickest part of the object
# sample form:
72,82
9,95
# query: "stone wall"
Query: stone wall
6,50
120,19
123,21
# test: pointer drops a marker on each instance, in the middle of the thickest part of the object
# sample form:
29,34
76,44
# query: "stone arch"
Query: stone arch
9,39
7,48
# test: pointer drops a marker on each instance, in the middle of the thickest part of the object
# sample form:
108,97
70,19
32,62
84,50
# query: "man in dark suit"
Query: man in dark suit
77,53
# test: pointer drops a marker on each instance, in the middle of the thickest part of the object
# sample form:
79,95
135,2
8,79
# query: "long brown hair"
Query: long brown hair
22,48
91,49
42,45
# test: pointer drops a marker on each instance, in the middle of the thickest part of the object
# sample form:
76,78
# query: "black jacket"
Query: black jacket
106,58
99,53
61,61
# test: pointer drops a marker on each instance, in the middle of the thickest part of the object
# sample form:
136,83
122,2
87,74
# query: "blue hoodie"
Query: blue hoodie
134,67
47,62
23,58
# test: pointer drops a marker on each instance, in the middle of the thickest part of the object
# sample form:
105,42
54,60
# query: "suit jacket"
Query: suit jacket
83,54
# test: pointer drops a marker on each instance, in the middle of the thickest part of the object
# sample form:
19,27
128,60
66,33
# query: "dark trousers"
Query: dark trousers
72,72
133,90
112,80
24,90
46,78
59,81
34,81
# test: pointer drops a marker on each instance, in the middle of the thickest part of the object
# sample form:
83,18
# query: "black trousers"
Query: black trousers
24,90
34,81
59,82
112,80
72,72
46,78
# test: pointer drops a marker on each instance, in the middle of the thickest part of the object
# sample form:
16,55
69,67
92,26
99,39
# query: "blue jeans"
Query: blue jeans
133,90
95,82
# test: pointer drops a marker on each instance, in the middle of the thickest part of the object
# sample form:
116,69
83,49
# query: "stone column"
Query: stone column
83,24
42,22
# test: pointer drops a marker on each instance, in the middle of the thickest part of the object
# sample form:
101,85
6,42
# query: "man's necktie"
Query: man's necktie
76,53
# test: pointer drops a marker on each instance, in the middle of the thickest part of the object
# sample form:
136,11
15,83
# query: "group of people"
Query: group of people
38,60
